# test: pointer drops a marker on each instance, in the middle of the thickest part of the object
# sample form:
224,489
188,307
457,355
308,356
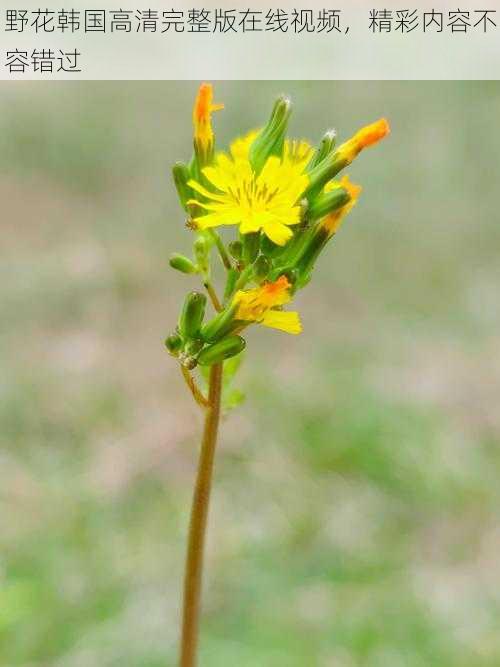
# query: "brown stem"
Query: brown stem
193,388
198,524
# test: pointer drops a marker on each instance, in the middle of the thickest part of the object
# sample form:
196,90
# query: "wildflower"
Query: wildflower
267,201
202,121
260,305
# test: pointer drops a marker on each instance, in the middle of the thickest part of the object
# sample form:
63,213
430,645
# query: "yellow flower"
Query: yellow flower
269,200
367,136
259,304
202,119
332,221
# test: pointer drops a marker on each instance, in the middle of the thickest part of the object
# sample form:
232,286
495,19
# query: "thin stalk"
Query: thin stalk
193,388
212,294
198,524
226,260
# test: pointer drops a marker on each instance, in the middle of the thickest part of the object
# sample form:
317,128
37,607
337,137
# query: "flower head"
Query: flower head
202,121
260,305
267,201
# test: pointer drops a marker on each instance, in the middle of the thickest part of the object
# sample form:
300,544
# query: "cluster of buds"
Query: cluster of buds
284,201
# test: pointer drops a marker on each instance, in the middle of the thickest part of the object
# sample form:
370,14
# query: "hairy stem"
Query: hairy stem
198,524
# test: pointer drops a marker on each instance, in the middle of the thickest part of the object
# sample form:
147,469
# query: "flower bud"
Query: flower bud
270,139
251,245
192,315
326,146
173,343
223,349
181,176
344,155
220,325
182,264
328,202
202,122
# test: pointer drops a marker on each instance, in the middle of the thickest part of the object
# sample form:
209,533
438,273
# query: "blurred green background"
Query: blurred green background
355,517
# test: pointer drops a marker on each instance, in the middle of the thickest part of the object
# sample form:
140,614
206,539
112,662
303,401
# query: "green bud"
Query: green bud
326,146
236,248
181,176
251,245
316,240
192,315
324,172
261,268
182,264
328,202
223,349
173,343
271,138
220,325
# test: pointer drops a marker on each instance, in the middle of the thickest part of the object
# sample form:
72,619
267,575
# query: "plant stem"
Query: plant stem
222,250
213,296
198,523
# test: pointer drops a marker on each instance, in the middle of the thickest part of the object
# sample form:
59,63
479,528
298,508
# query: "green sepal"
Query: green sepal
232,277
223,349
192,315
182,175
182,264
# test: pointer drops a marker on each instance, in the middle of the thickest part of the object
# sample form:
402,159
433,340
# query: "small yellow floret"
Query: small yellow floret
259,305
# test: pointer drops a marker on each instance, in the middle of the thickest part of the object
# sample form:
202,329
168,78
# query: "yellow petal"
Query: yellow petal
284,320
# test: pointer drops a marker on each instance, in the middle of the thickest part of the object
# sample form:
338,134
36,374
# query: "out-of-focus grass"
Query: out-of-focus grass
355,512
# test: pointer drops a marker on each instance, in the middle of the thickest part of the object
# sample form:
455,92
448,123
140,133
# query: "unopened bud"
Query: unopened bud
328,202
192,315
270,139
220,325
325,147
173,343
223,349
182,264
